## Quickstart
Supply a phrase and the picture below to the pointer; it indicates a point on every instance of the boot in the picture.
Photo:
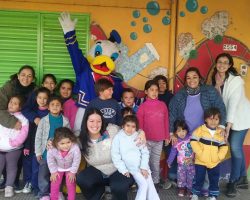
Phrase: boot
(231, 190)
(242, 183)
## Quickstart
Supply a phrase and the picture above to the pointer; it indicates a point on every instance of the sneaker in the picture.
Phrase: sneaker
(8, 192)
(181, 192)
(189, 193)
(242, 183)
(133, 188)
(27, 188)
(211, 198)
(165, 185)
(17, 188)
(231, 190)
(205, 193)
(45, 198)
(194, 197)
(61, 196)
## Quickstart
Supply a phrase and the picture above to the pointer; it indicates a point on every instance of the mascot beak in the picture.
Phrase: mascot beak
(103, 65)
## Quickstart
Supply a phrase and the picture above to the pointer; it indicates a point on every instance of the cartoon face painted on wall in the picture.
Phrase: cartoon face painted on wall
(103, 56)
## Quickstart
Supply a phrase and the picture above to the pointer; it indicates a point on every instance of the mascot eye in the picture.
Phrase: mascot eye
(98, 50)
(114, 56)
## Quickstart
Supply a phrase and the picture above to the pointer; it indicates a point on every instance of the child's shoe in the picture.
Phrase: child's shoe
(231, 190)
(17, 188)
(242, 183)
(9, 191)
(189, 193)
(205, 193)
(181, 192)
(194, 197)
(211, 198)
(165, 184)
(27, 188)
(45, 198)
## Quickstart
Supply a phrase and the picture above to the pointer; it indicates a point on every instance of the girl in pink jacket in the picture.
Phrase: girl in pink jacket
(63, 159)
(11, 143)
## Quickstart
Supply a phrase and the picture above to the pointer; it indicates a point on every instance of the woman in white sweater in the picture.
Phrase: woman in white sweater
(231, 87)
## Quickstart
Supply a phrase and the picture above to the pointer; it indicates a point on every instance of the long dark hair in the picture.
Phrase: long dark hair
(230, 70)
(84, 135)
(14, 76)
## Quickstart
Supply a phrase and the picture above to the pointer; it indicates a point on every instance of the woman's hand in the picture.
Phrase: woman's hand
(26, 152)
(227, 130)
(37, 120)
(141, 138)
(71, 177)
(54, 176)
(173, 139)
(39, 158)
(145, 173)
(18, 125)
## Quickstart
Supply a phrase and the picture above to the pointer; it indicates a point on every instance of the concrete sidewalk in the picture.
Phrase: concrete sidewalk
(170, 194)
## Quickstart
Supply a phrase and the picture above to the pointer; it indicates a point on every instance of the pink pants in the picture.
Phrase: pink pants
(55, 187)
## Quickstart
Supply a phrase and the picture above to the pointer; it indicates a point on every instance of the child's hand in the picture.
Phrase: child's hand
(145, 173)
(127, 174)
(167, 141)
(37, 120)
(49, 145)
(71, 177)
(54, 176)
(173, 139)
(18, 125)
(141, 138)
(26, 152)
(39, 158)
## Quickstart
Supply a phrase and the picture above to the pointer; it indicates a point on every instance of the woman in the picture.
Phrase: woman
(190, 102)
(231, 87)
(22, 84)
(96, 147)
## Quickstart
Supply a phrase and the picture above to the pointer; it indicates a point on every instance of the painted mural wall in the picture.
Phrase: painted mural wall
(165, 36)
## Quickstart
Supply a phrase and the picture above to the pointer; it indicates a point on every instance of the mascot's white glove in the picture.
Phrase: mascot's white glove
(66, 23)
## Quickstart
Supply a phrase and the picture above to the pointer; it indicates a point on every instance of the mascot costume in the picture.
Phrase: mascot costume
(99, 63)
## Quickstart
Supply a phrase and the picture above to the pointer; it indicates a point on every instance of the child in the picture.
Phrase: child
(153, 119)
(105, 103)
(11, 143)
(185, 158)
(164, 94)
(63, 158)
(128, 99)
(45, 132)
(30, 107)
(30, 164)
(69, 105)
(128, 158)
(210, 149)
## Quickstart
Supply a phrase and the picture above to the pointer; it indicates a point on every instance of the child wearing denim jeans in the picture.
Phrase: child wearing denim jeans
(210, 149)
(63, 159)
(44, 134)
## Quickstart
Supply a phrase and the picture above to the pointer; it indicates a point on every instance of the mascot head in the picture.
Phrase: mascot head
(104, 53)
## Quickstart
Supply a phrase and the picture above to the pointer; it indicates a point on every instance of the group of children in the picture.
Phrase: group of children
(50, 148)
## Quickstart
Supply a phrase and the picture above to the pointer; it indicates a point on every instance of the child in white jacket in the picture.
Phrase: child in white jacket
(11, 142)
(128, 158)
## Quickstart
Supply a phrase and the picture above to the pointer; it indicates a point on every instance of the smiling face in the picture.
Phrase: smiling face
(42, 99)
(25, 77)
(14, 105)
(94, 125)
(222, 65)
(49, 84)
(192, 79)
(65, 90)
(152, 92)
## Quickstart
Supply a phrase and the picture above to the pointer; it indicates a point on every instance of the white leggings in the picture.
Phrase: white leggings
(146, 188)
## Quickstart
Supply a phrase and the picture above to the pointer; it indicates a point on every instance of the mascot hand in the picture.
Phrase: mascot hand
(66, 23)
